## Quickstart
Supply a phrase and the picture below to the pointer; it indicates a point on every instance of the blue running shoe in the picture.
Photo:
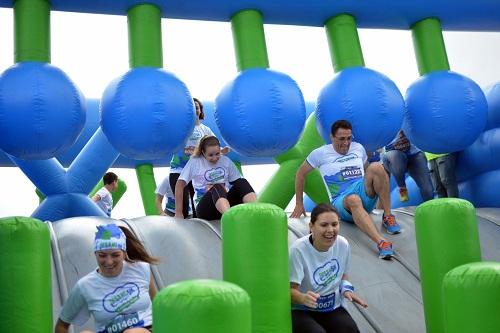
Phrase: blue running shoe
(390, 224)
(385, 250)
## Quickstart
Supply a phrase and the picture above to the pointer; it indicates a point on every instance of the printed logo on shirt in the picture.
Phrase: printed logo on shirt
(196, 136)
(346, 158)
(215, 175)
(325, 274)
(121, 298)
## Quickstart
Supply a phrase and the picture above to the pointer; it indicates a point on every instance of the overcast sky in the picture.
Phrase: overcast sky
(93, 50)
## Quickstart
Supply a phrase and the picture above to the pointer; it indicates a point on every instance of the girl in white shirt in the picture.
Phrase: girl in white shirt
(118, 293)
(180, 159)
(216, 181)
(319, 286)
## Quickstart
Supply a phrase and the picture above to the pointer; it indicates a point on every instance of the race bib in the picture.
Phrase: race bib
(326, 303)
(122, 322)
(351, 172)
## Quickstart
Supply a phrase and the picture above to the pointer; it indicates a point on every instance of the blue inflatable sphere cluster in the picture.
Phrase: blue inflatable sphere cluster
(147, 113)
(493, 98)
(445, 112)
(369, 100)
(41, 111)
(261, 113)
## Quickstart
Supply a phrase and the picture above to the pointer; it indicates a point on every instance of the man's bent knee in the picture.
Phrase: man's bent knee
(352, 201)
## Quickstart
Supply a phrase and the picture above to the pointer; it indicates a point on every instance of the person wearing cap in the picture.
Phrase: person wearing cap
(118, 292)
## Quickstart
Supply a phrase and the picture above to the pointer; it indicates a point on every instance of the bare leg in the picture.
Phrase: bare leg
(222, 205)
(249, 197)
(377, 183)
(361, 218)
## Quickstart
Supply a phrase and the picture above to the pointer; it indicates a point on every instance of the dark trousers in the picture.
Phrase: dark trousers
(336, 321)
(442, 170)
(188, 194)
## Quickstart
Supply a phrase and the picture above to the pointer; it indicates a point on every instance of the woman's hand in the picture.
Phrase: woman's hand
(189, 150)
(355, 298)
(310, 299)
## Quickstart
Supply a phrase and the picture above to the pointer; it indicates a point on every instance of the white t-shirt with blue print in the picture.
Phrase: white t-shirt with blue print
(179, 160)
(320, 272)
(115, 303)
(338, 171)
(106, 201)
(203, 173)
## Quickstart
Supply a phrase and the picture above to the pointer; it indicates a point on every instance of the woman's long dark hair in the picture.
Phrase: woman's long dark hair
(320, 209)
(136, 250)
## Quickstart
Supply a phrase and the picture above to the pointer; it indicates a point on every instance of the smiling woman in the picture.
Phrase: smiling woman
(118, 293)
(319, 284)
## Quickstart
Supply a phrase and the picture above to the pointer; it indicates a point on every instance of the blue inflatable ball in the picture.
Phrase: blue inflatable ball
(493, 98)
(261, 113)
(147, 113)
(41, 111)
(369, 100)
(445, 112)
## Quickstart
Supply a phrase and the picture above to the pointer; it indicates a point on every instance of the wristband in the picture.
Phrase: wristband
(346, 286)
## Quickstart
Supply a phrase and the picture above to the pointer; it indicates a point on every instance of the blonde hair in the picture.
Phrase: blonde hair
(206, 141)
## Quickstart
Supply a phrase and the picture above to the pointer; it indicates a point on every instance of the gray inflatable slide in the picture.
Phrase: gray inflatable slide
(191, 249)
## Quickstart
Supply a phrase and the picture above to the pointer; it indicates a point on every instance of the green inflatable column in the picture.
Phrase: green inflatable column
(472, 298)
(255, 257)
(428, 43)
(206, 306)
(145, 50)
(31, 30)
(447, 237)
(25, 276)
(343, 41)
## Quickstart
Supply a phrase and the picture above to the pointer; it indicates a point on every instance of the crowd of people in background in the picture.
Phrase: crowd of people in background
(205, 183)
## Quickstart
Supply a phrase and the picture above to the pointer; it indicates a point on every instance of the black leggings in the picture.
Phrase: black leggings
(206, 207)
(188, 193)
(336, 321)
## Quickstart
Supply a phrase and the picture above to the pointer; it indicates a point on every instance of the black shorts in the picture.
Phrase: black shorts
(206, 207)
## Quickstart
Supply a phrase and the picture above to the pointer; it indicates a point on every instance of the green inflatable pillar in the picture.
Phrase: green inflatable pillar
(25, 276)
(249, 40)
(447, 237)
(206, 306)
(429, 46)
(145, 50)
(255, 257)
(343, 41)
(31, 30)
(472, 298)
(147, 186)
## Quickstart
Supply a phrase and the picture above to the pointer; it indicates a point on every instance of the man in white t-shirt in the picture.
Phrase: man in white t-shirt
(103, 197)
(354, 185)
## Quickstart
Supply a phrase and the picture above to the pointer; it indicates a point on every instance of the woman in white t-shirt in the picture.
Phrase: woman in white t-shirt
(319, 284)
(180, 159)
(118, 293)
(216, 181)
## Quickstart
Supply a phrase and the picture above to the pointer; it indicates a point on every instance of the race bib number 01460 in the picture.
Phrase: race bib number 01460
(122, 322)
